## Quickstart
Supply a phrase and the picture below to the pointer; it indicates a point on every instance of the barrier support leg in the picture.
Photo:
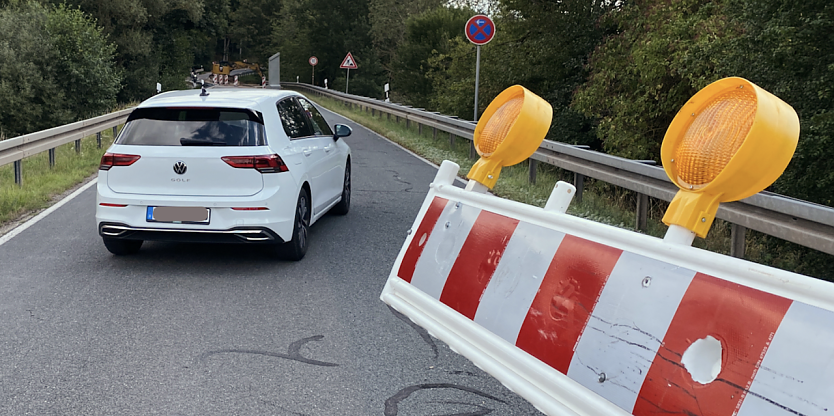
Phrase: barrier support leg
(642, 220)
(51, 158)
(579, 183)
(534, 166)
(78, 146)
(98, 140)
(18, 172)
(737, 238)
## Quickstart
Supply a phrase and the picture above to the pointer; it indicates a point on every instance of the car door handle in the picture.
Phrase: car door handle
(307, 151)
(329, 148)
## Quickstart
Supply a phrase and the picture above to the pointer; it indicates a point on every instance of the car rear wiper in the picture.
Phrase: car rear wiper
(185, 141)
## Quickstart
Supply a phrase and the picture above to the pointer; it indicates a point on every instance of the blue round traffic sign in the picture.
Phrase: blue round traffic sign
(480, 29)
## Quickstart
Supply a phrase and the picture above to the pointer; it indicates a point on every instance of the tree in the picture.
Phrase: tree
(388, 24)
(788, 49)
(328, 29)
(153, 39)
(639, 78)
(425, 35)
(86, 62)
(58, 67)
(251, 29)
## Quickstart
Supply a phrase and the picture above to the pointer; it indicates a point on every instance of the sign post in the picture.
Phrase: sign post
(313, 62)
(348, 63)
(480, 30)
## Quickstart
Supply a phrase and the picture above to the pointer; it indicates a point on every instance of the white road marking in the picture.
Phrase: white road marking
(22, 227)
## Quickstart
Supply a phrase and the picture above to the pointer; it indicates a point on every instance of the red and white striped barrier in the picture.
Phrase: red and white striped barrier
(581, 318)
(236, 81)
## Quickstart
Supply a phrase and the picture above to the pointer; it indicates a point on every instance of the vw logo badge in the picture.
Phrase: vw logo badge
(180, 167)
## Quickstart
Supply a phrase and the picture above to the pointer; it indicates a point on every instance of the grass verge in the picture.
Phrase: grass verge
(42, 183)
(601, 202)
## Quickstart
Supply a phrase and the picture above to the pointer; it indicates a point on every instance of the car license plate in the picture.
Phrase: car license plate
(179, 215)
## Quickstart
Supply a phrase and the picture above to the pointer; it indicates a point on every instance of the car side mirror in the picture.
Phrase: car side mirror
(341, 130)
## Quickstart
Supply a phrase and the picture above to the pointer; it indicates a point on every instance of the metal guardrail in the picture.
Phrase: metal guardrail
(15, 149)
(798, 221)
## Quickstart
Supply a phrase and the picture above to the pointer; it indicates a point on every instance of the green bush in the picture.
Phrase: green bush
(57, 68)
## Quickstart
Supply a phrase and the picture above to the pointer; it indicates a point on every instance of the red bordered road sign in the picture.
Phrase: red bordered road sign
(313, 61)
(480, 29)
(348, 62)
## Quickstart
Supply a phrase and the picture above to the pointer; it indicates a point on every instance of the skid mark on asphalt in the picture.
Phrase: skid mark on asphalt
(391, 405)
(423, 333)
(293, 353)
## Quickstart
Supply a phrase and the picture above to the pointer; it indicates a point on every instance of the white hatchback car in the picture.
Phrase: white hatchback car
(223, 165)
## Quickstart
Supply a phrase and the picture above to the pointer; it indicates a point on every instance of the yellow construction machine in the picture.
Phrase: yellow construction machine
(225, 67)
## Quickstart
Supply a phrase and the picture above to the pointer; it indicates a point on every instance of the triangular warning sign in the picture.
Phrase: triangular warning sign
(349, 62)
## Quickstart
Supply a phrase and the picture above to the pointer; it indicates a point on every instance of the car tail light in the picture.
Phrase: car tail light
(263, 163)
(117, 159)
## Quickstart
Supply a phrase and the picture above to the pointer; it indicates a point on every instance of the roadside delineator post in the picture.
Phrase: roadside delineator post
(581, 318)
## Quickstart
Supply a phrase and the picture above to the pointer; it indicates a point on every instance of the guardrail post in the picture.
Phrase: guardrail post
(78, 146)
(534, 165)
(737, 240)
(398, 119)
(472, 152)
(642, 220)
(373, 112)
(420, 129)
(452, 141)
(51, 158)
(389, 115)
(407, 123)
(115, 132)
(579, 184)
(98, 140)
(434, 133)
(18, 172)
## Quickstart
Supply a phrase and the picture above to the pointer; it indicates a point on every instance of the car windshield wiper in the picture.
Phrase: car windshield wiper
(185, 141)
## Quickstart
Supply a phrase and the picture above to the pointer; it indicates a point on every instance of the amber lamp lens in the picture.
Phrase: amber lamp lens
(498, 126)
(715, 135)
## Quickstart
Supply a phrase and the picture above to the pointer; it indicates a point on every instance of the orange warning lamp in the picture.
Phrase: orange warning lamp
(730, 141)
(511, 129)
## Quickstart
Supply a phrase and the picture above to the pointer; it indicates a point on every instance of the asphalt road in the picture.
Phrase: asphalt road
(190, 329)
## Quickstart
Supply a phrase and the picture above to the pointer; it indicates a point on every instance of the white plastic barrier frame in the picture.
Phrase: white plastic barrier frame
(789, 317)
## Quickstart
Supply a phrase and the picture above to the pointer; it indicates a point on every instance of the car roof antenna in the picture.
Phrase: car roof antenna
(203, 93)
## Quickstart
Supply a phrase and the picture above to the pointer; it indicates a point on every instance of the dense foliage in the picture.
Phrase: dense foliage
(615, 72)
(57, 67)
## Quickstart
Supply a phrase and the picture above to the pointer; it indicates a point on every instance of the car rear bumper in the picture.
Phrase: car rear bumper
(130, 211)
(250, 235)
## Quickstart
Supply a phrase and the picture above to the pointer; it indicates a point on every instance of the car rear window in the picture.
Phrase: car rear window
(174, 126)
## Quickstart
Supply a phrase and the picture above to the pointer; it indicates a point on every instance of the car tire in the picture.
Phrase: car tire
(122, 247)
(296, 248)
(343, 206)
